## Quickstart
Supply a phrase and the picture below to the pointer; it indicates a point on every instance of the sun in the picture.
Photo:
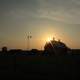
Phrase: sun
(48, 39)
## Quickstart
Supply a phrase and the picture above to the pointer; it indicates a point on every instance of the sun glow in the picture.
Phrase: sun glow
(49, 39)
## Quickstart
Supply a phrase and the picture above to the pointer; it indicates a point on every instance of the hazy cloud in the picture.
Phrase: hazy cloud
(61, 10)
(67, 11)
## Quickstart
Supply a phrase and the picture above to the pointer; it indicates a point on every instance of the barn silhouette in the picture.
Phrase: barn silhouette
(55, 47)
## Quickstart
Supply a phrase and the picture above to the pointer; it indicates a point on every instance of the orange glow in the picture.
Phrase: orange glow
(49, 39)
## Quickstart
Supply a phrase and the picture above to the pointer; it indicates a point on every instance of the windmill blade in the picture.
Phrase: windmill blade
(30, 36)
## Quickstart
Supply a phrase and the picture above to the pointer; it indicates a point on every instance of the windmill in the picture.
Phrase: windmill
(28, 41)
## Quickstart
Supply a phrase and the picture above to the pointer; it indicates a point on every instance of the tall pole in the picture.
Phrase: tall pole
(28, 41)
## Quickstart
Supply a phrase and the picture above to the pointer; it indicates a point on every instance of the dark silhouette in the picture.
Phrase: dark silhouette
(56, 48)
(4, 49)
(34, 51)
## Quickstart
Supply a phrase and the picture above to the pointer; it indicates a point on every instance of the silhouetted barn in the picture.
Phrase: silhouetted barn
(55, 48)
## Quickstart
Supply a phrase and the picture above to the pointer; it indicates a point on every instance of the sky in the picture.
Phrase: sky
(41, 19)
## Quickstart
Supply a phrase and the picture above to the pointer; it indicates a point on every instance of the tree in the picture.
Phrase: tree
(4, 49)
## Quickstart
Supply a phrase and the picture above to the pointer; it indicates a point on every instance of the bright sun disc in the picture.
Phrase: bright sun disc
(49, 39)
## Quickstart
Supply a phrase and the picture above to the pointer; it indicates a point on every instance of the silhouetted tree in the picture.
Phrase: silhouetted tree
(34, 51)
(55, 48)
(4, 49)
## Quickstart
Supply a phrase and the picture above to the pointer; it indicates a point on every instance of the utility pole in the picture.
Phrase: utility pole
(28, 41)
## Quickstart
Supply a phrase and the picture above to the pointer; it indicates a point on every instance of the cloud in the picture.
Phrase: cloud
(61, 10)
(66, 11)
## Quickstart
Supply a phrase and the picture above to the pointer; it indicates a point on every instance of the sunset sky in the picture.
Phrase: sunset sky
(43, 19)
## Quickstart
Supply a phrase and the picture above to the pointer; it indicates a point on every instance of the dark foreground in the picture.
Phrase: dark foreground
(40, 67)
